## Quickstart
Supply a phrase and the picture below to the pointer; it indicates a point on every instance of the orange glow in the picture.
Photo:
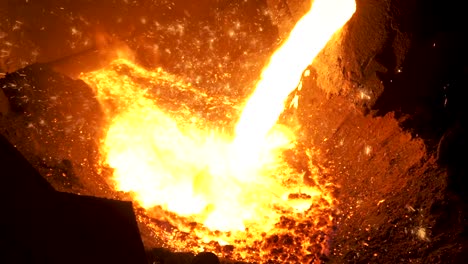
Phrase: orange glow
(283, 73)
(174, 163)
(168, 158)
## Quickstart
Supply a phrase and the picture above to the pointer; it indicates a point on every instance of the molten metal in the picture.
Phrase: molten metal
(168, 159)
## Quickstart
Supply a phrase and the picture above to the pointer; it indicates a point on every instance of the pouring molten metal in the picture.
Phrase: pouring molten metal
(164, 150)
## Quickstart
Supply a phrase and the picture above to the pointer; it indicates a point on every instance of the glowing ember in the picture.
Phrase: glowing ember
(161, 149)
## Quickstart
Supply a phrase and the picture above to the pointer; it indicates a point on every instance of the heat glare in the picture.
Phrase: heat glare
(232, 180)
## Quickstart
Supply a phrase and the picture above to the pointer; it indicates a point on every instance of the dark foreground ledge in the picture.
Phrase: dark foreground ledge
(41, 225)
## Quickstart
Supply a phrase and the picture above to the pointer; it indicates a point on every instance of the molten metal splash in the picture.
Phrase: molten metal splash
(161, 150)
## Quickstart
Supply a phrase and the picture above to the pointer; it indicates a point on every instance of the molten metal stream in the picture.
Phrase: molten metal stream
(168, 159)
(283, 73)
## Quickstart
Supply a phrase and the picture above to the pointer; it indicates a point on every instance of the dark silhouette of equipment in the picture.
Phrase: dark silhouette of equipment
(41, 225)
